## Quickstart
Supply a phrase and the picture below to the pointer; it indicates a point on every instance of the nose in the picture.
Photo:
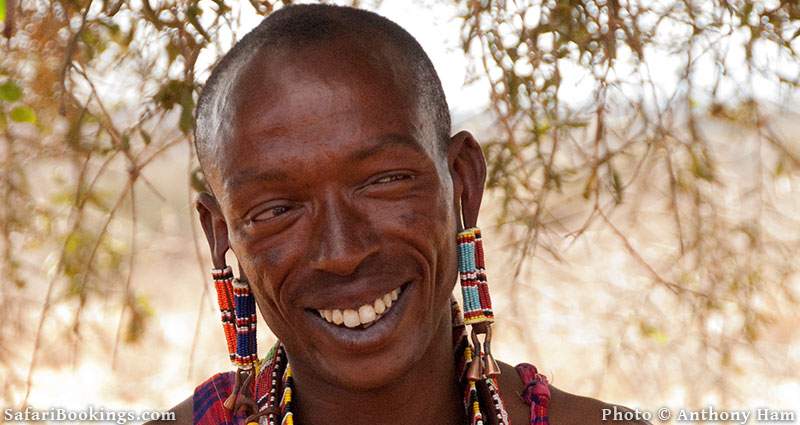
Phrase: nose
(344, 238)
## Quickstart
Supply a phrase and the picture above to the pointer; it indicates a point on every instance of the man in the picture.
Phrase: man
(325, 140)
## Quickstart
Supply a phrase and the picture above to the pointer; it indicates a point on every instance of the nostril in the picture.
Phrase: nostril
(342, 262)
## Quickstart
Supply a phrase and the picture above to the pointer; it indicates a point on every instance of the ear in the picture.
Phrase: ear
(214, 227)
(468, 170)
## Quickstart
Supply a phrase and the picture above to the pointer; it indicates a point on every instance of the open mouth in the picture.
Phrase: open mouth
(365, 315)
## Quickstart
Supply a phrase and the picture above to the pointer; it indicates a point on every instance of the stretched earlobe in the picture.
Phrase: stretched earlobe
(468, 170)
(237, 309)
(214, 227)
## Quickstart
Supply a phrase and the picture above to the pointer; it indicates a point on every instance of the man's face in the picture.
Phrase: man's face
(335, 196)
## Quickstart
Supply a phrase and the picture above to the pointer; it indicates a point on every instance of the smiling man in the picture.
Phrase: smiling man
(325, 139)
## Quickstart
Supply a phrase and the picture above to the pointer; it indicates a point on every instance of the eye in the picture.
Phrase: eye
(393, 178)
(271, 213)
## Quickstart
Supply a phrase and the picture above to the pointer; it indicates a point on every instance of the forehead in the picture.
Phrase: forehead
(281, 86)
(327, 96)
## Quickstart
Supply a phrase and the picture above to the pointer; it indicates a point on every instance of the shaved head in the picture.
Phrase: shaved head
(297, 31)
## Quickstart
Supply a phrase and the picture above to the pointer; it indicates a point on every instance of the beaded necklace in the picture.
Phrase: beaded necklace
(483, 403)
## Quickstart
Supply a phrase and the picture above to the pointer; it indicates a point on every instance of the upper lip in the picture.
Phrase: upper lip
(351, 295)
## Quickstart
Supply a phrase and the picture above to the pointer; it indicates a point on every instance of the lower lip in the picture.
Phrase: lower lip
(361, 339)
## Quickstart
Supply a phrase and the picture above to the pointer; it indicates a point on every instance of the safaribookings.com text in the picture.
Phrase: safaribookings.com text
(88, 414)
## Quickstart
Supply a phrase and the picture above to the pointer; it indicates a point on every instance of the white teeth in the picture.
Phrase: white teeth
(351, 319)
(364, 315)
(379, 306)
(336, 317)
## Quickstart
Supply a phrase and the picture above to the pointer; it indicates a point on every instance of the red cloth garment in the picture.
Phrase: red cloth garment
(536, 393)
(207, 408)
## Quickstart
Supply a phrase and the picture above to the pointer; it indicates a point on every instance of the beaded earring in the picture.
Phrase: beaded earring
(238, 311)
(477, 303)
(481, 369)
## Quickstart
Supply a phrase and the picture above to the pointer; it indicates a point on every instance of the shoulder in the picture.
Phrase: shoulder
(204, 406)
(568, 409)
(565, 408)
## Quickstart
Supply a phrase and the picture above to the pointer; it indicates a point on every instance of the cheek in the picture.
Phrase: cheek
(427, 219)
(431, 226)
(261, 258)
(261, 266)
(447, 228)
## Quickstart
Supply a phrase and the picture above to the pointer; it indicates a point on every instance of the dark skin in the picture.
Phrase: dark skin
(331, 190)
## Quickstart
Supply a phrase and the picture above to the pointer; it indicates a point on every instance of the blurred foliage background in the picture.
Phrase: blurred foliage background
(644, 175)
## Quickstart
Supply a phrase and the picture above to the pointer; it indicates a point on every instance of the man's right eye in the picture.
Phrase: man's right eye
(271, 213)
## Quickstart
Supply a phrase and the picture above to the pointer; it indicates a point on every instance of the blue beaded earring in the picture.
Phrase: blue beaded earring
(238, 312)
(477, 303)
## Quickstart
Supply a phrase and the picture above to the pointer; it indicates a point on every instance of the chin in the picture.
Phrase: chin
(372, 374)
(364, 371)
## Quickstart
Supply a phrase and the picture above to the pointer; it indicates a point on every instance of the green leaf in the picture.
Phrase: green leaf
(650, 331)
(145, 137)
(10, 91)
(23, 114)
(700, 166)
(780, 167)
(616, 184)
(198, 181)
(186, 122)
(2, 10)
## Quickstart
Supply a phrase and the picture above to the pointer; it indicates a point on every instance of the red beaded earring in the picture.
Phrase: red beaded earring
(481, 369)
(238, 310)
(477, 301)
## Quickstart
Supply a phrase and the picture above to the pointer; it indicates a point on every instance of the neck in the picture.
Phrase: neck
(428, 393)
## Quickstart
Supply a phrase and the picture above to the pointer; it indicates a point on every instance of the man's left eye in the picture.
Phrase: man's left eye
(392, 178)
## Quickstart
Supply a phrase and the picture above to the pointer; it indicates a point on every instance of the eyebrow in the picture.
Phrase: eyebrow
(375, 147)
(384, 142)
(253, 174)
